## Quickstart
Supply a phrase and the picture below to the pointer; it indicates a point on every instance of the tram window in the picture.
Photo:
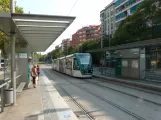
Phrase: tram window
(75, 66)
(68, 65)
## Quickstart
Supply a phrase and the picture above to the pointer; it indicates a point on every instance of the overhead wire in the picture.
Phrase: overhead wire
(73, 7)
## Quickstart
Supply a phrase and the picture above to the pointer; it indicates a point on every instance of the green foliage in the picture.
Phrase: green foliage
(71, 50)
(88, 45)
(56, 53)
(141, 25)
(4, 39)
(42, 58)
(37, 55)
(5, 7)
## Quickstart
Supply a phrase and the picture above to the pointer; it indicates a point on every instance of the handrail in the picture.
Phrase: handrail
(4, 84)
(18, 76)
(8, 80)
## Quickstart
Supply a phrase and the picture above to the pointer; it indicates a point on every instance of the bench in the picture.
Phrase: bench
(20, 87)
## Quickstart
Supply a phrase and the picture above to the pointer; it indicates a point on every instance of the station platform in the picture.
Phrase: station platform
(41, 103)
(139, 83)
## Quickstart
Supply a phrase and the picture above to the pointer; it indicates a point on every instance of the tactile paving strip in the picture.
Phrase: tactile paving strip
(48, 107)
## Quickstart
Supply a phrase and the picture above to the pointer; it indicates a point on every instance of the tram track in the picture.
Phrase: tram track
(105, 100)
(72, 99)
(128, 86)
(122, 92)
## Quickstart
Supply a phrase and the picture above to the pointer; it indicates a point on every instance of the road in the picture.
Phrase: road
(106, 101)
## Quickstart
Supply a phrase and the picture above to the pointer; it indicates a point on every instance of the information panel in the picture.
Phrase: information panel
(22, 55)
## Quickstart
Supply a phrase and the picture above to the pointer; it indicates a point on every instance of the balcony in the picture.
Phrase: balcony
(121, 3)
(126, 7)
(122, 18)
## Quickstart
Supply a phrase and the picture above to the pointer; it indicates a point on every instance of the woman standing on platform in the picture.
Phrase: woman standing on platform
(34, 74)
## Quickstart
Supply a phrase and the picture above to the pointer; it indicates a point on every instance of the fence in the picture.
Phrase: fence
(153, 76)
(4, 86)
(104, 71)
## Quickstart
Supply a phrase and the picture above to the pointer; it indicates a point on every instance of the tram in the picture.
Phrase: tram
(76, 65)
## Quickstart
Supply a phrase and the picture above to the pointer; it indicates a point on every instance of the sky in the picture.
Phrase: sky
(87, 12)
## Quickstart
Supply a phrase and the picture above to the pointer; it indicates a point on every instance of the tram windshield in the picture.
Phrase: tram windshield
(84, 58)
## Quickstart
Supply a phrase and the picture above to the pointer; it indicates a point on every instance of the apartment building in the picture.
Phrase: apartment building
(66, 43)
(112, 15)
(107, 18)
(91, 32)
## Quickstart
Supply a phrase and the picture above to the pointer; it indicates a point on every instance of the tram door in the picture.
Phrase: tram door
(69, 66)
(130, 68)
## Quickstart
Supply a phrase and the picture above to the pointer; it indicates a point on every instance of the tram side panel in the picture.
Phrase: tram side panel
(76, 70)
(54, 65)
(64, 65)
(57, 65)
(60, 65)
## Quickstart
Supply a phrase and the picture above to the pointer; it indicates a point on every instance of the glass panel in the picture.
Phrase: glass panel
(153, 58)
(125, 63)
(135, 64)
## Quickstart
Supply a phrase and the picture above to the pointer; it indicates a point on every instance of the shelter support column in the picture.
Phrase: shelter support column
(142, 63)
(13, 72)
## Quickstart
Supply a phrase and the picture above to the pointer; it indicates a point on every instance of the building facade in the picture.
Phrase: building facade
(107, 18)
(86, 33)
(66, 43)
(103, 24)
(112, 15)
(124, 8)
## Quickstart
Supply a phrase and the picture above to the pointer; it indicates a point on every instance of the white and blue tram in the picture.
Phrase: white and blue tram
(76, 65)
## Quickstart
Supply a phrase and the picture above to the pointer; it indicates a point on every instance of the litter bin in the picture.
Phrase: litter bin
(8, 96)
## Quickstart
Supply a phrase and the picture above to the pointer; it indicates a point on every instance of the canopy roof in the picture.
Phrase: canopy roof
(39, 31)
(146, 43)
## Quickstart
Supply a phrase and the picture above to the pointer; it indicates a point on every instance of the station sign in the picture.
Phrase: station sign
(22, 55)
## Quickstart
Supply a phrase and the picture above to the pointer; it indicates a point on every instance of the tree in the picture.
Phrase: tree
(5, 7)
(141, 25)
(56, 53)
(88, 45)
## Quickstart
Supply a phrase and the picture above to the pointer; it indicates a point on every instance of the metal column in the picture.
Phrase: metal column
(13, 67)
(12, 10)
(12, 5)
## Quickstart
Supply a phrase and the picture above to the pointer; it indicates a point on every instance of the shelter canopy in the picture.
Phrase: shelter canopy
(145, 43)
(39, 31)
